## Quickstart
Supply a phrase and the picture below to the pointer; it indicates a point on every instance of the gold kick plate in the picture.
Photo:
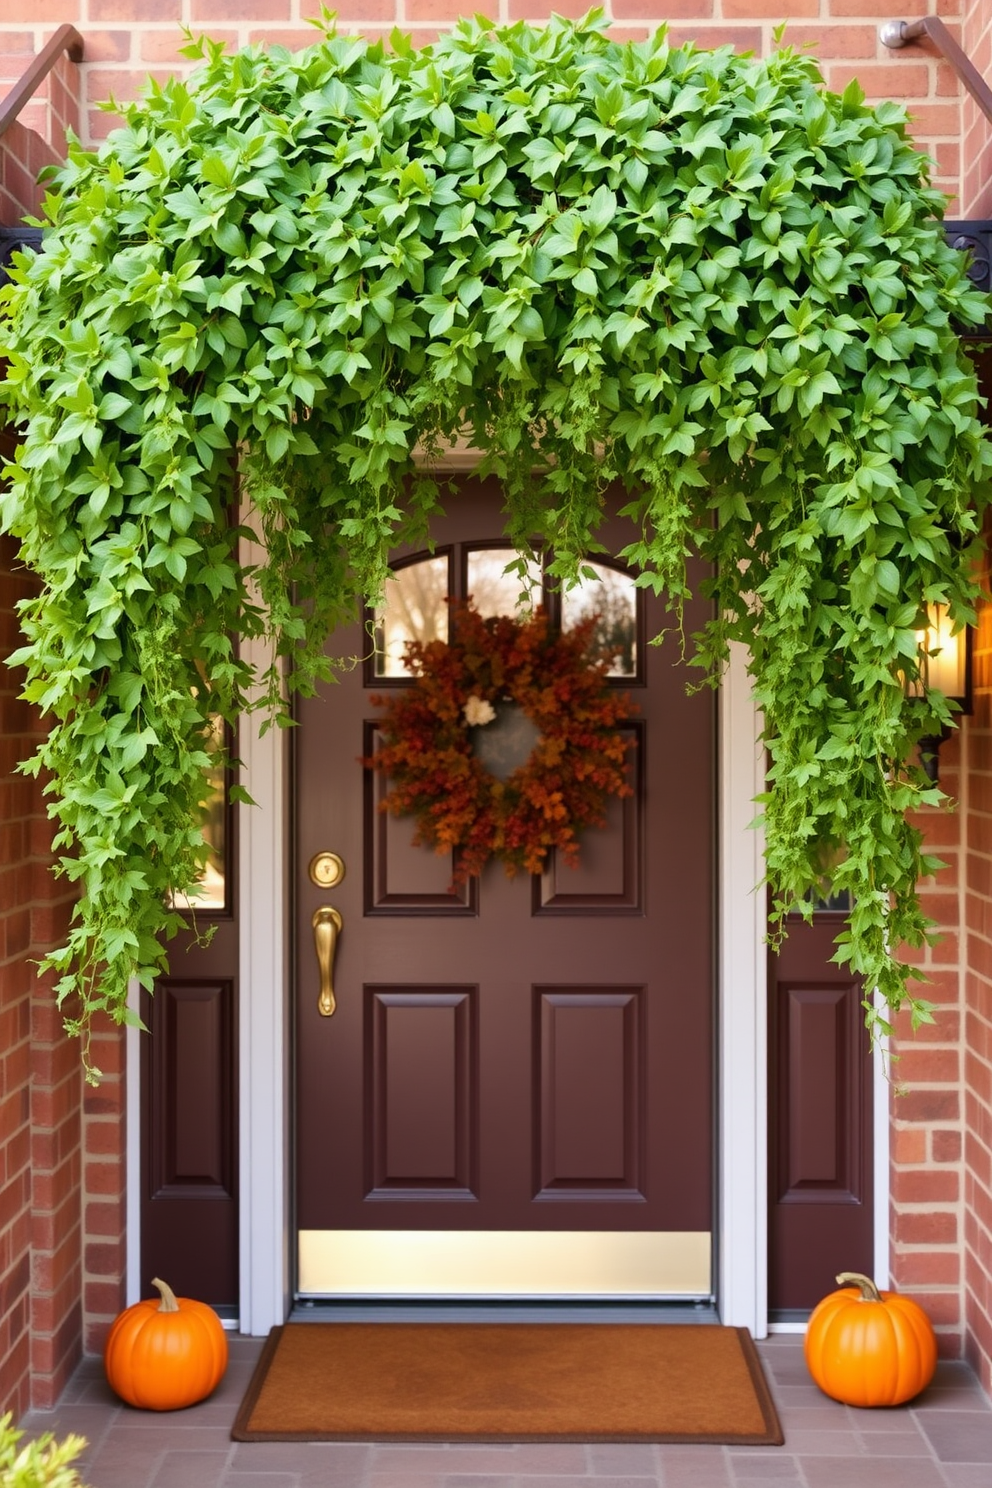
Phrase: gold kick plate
(506, 1263)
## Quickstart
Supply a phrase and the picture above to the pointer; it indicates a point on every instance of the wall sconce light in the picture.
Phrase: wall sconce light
(945, 664)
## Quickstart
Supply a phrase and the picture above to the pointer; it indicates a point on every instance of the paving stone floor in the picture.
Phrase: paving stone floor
(941, 1440)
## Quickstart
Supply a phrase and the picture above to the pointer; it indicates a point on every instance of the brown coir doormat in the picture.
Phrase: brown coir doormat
(508, 1382)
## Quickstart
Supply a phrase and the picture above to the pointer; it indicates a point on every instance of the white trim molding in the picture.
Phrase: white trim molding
(264, 1029)
(742, 1058)
(882, 1152)
(132, 1160)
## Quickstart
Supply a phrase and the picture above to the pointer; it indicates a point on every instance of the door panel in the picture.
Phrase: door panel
(189, 1209)
(189, 1092)
(590, 1046)
(609, 876)
(401, 879)
(421, 1086)
(820, 1128)
(513, 1057)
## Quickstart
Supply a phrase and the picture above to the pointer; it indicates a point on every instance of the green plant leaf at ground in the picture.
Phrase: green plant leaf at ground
(699, 277)
(44, 1463)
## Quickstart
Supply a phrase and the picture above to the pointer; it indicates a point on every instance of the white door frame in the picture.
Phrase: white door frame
(742, 1050)
(265, 1213)
(741, 1062)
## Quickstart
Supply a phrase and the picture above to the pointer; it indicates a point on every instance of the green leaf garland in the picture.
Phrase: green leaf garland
(695, 274)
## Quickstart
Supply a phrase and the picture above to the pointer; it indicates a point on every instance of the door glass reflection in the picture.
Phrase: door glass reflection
(210, 893)
(612, 597)
(414, 610)
(493, 591)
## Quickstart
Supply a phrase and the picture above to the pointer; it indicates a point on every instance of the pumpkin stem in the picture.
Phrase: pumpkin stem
(869, 1291)
(169, 1303)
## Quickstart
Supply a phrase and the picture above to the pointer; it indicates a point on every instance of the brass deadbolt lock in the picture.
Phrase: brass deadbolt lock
(326, 870)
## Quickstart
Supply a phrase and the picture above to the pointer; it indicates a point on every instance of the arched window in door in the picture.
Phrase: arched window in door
(415, 604)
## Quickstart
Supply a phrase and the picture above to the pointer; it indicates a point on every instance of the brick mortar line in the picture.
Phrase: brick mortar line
(925, 1167)
(927, 1206)
(935, 1086)
(938, 1046)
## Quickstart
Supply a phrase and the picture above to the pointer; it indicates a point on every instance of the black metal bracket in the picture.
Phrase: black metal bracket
(974, 238)
(12, 239)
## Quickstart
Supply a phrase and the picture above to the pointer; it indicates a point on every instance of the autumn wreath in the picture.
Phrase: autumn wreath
(430, 738)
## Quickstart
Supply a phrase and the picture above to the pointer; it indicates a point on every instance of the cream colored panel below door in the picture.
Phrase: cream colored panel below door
(504, 1263)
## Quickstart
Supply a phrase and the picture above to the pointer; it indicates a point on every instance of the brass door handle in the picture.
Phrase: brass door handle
(327, 924)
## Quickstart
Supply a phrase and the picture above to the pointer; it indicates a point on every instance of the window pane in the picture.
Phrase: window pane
(494, 592)
(211, 892)
(415, 609)
(839, 903)
(612, 598)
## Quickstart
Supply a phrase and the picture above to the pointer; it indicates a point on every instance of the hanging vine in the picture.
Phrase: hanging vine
(698, 275)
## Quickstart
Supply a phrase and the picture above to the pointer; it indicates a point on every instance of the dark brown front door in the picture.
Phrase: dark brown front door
(522, 1055)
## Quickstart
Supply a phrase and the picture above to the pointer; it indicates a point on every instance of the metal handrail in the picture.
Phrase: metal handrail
(896, 34)
(66, 39)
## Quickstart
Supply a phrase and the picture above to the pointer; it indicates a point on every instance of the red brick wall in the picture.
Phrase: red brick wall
(22, 155)
(104, 1188)
(941, 1170)
(927, 1134)
(976, 131)
(41, 1117)
(125, 40)
(40, 1120)
(37, 136)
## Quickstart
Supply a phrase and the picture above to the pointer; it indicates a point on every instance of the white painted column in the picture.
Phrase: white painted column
(264, 1164)
(881, 1189)
(742, 1061)
(132, 1161)
(264, 1025)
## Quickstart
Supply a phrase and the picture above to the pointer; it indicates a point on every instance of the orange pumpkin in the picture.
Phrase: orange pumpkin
(867, 1347)
(165, 1353)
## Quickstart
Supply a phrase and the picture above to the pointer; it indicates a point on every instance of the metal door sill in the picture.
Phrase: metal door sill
(496, 1310)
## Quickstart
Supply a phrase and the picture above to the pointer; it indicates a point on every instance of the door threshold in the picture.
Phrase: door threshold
(788, 1319)
(443, 1310)
(229, 1316)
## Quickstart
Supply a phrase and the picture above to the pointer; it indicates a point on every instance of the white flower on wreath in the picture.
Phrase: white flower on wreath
(477, 711)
